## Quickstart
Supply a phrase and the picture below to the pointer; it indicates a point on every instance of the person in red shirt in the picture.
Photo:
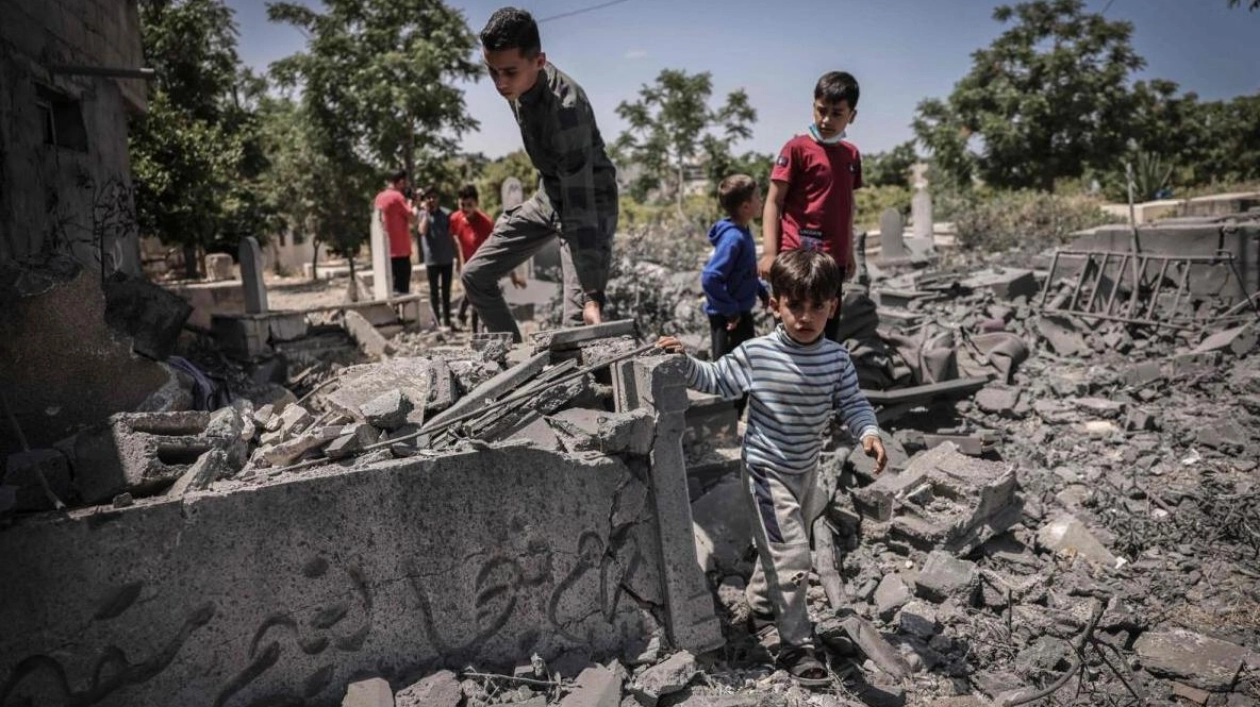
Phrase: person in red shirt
(398, 214)
(810, 202)
(471, 227)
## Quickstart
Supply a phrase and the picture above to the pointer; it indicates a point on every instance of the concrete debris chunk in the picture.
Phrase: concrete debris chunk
(369, 693)
(891, 594)
(1060, 336)
(1240, 340)
(359, 385)
(596, 686)
(946, 577)
(440, 689)
(294, 420)
(387, 411)
(210, 467)
(559, 339)
(352, 440)
(917, 619)
(944, 499)
(497, 387)
(1203, 662)
(371, 341)
(1068, 535)
(290, 450)
(665, 678)
(996, 401)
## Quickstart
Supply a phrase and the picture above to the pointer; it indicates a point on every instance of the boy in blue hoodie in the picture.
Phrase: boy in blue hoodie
(730, 281)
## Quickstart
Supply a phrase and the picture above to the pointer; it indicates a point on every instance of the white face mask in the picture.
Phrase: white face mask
(813, 132)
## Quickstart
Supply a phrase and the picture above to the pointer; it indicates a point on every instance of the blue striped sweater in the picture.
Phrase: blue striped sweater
(793, 391)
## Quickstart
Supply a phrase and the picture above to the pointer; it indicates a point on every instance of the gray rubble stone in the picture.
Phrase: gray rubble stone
(596, 686)
(998, 401)
(374, 692)
(1143, 373)
(558, 339)
(665, 678)
(891, 594)
(369, 339)
(209, 467)
(1068, 535)
(353, 438)
(440, 689)
(388, 411)
(1046, 654)
(294, 420)
(1239, 340)
(1206, 663)
(917, 619)
(944, 576)
(1137, 420)
(290, 450)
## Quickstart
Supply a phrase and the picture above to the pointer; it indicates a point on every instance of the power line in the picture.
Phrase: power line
(592, 8)
(1106, 7)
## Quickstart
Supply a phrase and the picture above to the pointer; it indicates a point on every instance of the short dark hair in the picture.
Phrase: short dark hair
(734, 191)
(836, 86)
(469, 191)
(397, 175)
(805, 274)
(511, 28)
(431, 190)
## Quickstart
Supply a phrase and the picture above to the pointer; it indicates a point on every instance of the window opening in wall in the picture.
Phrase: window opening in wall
(61, 119)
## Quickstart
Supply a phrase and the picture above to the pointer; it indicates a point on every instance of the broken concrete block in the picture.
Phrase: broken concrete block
(996, 401)
(1142, 374)
(722, 530)
(891, 594)
(352, 440)
(294, 420)
(579, 427)
(1193, 362)
(1137, 420)
(358, 385)
(874, 646)
(150, 314)
(23, 472)
(946, 577)
(440, 689)
(138, 452)
(1100, 407)
(918, 619)
(537, 431)
(627, 432)
(290, 450)
(596, 686)
(665, 678)
(499, 386)
(1045, 655)
(1203, 662)
(1005, 283)
(371, 341)
(1240, 340)
(374, 692)
(286, 326)
(211, 466)
(559, 339)
(1060, 336)
(387, 411)
(219, 267)
(1191, 694)
(1068, 535)
(944, 500)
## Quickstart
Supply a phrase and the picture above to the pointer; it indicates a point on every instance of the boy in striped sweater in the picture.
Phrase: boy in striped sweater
(796, 379)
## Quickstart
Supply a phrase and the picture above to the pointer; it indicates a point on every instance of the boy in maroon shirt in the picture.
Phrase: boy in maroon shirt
(810, 202)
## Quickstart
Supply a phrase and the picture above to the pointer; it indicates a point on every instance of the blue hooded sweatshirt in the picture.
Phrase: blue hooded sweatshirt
(730, 281)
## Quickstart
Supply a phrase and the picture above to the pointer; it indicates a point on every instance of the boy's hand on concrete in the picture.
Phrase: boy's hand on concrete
(517, 281)
(874, 447)
(763, 266)
(732, 322)
(670, 344)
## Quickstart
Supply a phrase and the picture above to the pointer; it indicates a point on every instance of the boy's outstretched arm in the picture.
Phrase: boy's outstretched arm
(771, 230)
(728, 377)
(858, 415)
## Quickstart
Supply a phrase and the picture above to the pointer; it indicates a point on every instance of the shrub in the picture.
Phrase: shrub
(1024, 220)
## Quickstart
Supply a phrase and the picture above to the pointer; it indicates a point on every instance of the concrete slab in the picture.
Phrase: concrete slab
(440, 689)
(943, 500)
(559, 339)
(369, 339)
(359, 385)
(497, 387)
(1207, 663)
(349, 572)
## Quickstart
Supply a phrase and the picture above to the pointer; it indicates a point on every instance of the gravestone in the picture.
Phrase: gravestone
(218, 267)
(921, 244)
(252, 276)
(512, 194)
(892, 244)
(382, 274)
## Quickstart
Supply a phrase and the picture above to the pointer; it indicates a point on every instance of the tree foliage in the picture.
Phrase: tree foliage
(890, 169)
(1047, 99)
(671, 125)
(490, 183)
(195, 155)
(378, 77)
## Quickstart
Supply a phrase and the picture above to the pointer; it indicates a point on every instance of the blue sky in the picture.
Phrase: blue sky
(901, 51)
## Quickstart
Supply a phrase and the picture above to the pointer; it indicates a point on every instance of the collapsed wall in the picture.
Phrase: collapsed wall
(286, 590)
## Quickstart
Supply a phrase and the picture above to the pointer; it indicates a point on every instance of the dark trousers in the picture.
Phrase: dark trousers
(725, 341)
(440, 291)
(402, 274)
(464, 306)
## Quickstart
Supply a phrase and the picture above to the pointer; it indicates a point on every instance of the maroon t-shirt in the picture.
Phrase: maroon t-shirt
(818, 209)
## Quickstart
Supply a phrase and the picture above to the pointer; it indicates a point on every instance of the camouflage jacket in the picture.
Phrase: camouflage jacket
(562, 140)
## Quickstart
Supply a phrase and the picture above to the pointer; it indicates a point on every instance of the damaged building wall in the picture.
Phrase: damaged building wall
(64, 164)
(289, 589)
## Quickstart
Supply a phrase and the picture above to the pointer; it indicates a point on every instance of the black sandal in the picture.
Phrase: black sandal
(804, 668)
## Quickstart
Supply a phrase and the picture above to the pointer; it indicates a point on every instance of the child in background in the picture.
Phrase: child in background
(730, 281)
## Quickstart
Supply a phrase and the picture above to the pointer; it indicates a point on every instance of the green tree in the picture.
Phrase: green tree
(490, 183)
(1048, 98)
(890, 169)
(1255, 4)
(378, 77)
(195, 154)
(671, 124)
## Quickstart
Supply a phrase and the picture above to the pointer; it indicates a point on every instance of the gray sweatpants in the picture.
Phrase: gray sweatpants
(520, 233)
(782, 506)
